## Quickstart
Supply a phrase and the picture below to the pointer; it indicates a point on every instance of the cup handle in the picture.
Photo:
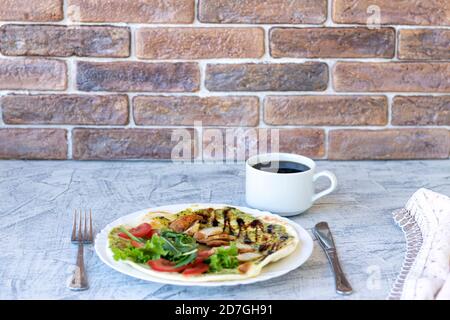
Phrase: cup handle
(332, 187)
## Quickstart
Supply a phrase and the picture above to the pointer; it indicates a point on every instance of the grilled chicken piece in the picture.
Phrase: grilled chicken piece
(207, 232)
(245, 248)
(183, 223)
(249, 256)
(224, 237)
(193, 229)
(217, 243)
(243, 268)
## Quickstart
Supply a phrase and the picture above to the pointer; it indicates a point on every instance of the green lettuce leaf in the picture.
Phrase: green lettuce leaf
(153, 249)
(224, 258)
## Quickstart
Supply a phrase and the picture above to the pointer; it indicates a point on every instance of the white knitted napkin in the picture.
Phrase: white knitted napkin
(425, 273)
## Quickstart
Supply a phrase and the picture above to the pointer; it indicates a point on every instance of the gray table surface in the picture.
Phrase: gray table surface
(38, 197)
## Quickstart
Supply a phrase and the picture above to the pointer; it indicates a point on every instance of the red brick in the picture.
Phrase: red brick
(135, 11)
(31, 10)
(389, 144)
(391, 76)
(65, 109)
(268, 11)
(32, 74)
(110, 144)
(424, 44)
(303, 141)
(312, 76)
(62, 41)
(137, 76)
(417, 12)
(33, 143)
(421, 110)
(332, 43)
(186, 110)
(326, 110)
(200, 43)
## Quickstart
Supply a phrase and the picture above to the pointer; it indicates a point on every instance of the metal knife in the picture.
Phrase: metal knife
(323, 234)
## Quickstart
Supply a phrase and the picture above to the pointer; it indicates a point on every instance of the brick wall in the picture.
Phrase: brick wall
(112, 79)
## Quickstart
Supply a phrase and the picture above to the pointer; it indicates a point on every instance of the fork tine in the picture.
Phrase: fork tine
(74, 226)
(80, 233)
(91, 238)
(85, 226)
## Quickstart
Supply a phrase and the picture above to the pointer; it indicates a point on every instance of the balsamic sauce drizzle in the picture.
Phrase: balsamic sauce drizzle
(227, 222)
(214, 222)
(263, 247)
(256, 224)
(247, 240)
(241, 224)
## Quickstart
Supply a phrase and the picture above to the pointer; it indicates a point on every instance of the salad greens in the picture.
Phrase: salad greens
(181, 248)
(176, 247)
(152, 249)
(224, 258)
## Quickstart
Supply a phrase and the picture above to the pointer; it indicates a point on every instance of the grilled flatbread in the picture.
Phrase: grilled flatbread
(257, 241)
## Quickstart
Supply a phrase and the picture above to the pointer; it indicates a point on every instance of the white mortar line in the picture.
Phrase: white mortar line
(267, 126)
(197, 23)
(266, 56)
(69, 144)
(389, 115)
(203, 92)
(326, 142)
(327, 92)
(261, 123)
(71, 76)
(196, 13)
(131, 122)
(329, 21)
(264, 59)
(65, 12)
(397, 37)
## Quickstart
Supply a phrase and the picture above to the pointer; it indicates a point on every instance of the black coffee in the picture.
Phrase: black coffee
(282, 167)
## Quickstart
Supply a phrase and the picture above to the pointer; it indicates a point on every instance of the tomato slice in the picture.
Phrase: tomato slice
(197, 269)
(164, 265)
(123, 235)
(144, 230)
(203, 255)
(136, 244)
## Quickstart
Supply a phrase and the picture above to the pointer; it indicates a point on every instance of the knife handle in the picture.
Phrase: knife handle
(342, 284)
(323, 234)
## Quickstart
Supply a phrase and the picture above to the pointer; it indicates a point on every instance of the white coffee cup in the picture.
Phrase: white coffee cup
(287, 194)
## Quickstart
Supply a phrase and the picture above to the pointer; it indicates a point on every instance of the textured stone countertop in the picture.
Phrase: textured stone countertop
(38, 198)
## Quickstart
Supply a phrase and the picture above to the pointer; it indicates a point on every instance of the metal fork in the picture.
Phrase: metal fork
(79, 279)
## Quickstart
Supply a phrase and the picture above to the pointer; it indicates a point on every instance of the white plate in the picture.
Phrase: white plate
(275, 269)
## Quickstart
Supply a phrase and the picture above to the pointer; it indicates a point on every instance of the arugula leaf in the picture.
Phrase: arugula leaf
(181, 248)
(186, 259)
(224, 258)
